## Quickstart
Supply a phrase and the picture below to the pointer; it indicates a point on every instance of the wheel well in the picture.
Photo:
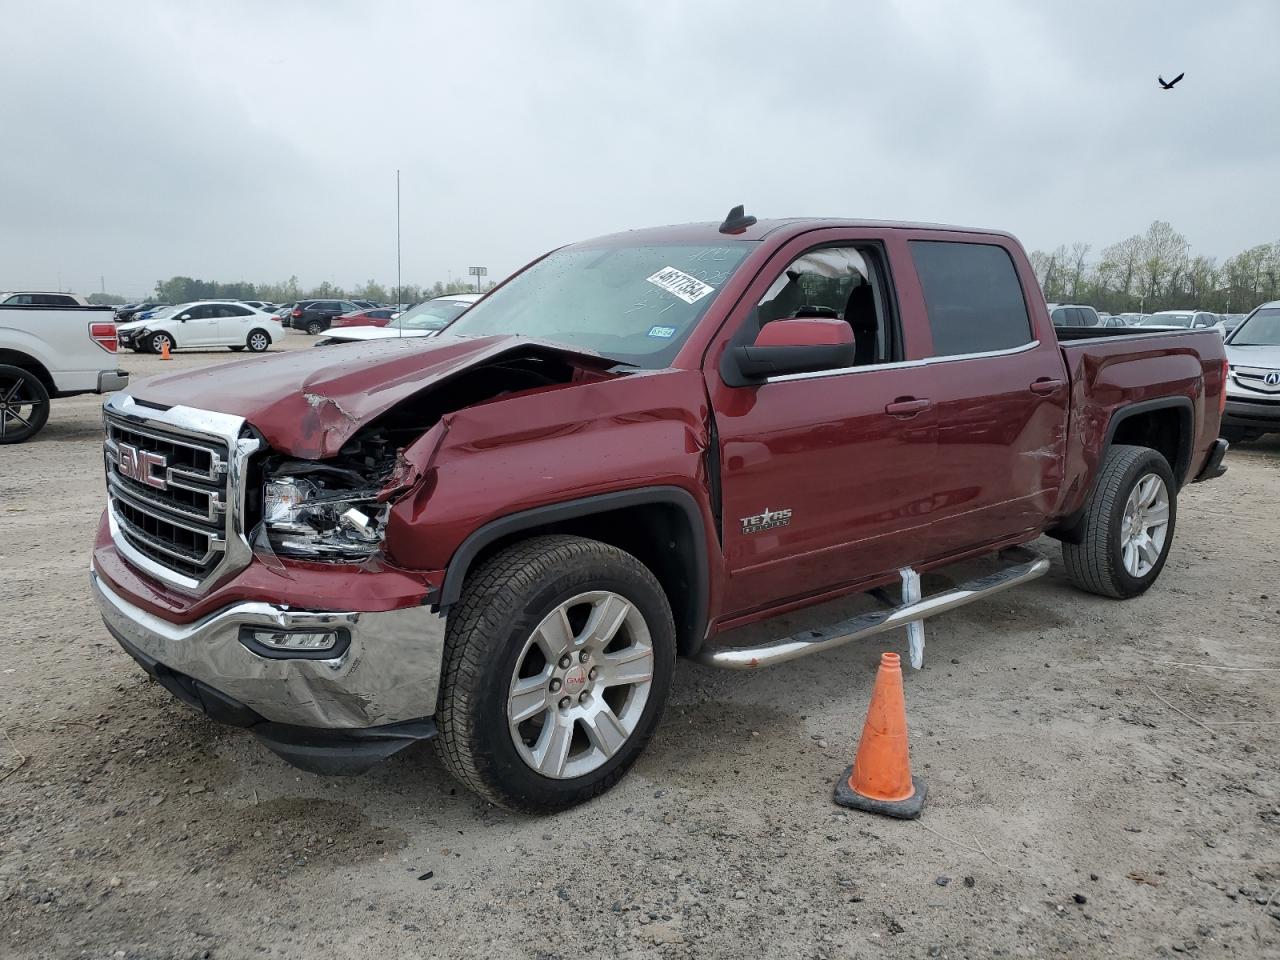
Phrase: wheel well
(660, 534)
(15, 359)
(1166, 430)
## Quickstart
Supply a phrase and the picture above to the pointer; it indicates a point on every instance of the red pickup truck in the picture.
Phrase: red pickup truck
(503, 537)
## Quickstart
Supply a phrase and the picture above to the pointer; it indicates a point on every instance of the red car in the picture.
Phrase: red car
(377, 317)
(506, 535)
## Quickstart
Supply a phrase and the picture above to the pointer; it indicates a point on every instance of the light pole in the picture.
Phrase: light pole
(401, 333)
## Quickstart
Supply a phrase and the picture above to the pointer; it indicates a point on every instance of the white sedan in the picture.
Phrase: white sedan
(425, 320)
(205, 323)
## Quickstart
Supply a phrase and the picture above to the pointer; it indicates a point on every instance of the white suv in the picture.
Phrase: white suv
(206, 323)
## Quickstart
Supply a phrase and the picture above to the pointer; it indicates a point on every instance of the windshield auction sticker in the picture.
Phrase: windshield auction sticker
(680, 284)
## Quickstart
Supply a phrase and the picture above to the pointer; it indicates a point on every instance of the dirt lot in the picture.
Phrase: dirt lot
(1103, 781)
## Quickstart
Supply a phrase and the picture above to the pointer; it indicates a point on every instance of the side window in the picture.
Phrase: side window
(196, 313)
(972, 297)
(837, 283)
(1078, 318)
(231, 310)
(22, 300)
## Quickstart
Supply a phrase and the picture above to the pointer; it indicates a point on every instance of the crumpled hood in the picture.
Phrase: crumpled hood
(309, 403)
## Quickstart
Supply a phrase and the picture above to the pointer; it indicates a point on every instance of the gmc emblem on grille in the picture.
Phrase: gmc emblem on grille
(142, 465)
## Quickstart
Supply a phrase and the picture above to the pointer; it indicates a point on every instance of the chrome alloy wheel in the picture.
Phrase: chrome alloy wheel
(580, 685)
(1145, 525)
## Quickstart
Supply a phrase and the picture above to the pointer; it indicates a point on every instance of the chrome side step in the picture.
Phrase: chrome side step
(1024, 565)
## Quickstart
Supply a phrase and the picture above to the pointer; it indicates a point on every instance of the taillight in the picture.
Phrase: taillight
(104, 335)
(1222, 394)
(297, 312)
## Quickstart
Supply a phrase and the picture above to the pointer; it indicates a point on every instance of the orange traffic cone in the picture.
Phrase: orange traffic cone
(164, 349)
(880, 779)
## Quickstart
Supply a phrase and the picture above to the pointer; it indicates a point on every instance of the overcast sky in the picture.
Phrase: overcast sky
(253, 140)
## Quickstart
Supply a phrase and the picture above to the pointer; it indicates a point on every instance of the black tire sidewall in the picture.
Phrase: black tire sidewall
(154, 342)
(41, 405)
(1150, 462)
(315, 328)
(255, 333)
(491, 730)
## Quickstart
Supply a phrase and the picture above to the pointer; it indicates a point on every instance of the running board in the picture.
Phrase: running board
(1024, 565)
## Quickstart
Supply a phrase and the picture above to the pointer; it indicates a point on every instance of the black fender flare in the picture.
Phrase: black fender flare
(1186, 419)
(463, 558)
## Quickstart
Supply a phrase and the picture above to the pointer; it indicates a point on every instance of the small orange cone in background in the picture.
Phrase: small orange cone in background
(164, 350)
(880, 779)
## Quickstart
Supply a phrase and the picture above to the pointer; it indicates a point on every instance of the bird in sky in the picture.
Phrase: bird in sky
(1168, 84)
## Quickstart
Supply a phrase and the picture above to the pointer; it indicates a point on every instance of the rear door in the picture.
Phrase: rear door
(233, 324)
(999, 385)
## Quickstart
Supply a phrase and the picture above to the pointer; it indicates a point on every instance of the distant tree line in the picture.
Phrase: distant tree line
(185, 289)
(1156, 271)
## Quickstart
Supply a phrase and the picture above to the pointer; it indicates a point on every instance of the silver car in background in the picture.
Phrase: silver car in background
(1253, 378)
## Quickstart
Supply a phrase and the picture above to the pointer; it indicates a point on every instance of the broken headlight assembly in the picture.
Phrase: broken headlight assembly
(311, 517)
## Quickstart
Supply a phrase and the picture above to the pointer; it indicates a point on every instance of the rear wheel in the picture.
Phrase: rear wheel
(314, 327)
(24, 404)
(258, 341)
(1128, 525)
(557, 664)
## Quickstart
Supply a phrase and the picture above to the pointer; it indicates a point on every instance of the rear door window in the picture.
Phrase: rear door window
(972, 296)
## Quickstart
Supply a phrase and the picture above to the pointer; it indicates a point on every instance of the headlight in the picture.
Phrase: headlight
(305, 518)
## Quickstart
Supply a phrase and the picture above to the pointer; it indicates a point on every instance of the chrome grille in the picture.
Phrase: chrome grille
(175, 491)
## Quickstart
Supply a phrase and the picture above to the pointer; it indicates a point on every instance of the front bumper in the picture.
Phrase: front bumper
(1259, 413)
(388, 676)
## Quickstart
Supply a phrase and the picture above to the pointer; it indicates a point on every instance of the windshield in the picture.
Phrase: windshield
(1260, 330)
(636, 304)
(432, 315)
(1168, 320)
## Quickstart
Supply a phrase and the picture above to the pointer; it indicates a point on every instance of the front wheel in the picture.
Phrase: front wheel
(157, 341)
(24, 404)
(557, 664)
(1128, 525)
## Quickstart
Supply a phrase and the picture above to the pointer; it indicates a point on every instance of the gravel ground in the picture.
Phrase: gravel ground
(1103, 781)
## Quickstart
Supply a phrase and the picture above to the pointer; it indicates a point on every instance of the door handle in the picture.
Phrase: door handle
(906, 407)
(1047, 386)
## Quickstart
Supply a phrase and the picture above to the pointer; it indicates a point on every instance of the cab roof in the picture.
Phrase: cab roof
(780, 230)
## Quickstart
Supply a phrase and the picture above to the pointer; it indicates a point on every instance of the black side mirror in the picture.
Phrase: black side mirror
(804, 345)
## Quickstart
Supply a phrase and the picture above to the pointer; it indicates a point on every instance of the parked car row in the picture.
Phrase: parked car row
(1083, 315)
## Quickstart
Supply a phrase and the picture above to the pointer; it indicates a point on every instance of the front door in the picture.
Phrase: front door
(827, 477)
(200, 328)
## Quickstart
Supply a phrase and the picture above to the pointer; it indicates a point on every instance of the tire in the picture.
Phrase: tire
(314, 328)
(24, 404)
(1101, 562)
(497, 629)
(259, 341)
(237, 347)
(155, 342)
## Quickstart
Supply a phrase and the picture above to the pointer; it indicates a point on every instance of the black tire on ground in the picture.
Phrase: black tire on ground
(502, 604)
(156, 341)
(1238, 434)
(315, 327)
(24, 404)
(1096, 564)
(258, 341)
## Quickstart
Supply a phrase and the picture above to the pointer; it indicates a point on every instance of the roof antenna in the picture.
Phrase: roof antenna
(737, 221)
